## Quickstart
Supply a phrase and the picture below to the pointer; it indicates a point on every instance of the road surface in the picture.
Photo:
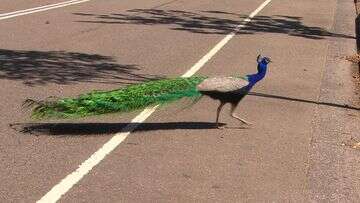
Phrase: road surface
(302, 113)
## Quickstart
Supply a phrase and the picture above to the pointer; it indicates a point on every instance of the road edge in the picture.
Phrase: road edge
(334, 166)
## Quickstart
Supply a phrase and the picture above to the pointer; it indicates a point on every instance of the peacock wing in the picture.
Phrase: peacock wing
(222, 84)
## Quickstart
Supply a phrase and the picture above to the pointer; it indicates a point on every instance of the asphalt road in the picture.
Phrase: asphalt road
(177, 155)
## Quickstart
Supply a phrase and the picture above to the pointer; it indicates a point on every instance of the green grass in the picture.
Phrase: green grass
(129, 98)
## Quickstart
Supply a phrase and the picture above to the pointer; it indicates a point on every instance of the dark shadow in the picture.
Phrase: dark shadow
(344, 106)
(205, 22)
(105, 128)
(40, 67)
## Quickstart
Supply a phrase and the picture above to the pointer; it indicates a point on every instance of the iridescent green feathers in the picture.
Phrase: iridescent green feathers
(129, 98)
(140, 96)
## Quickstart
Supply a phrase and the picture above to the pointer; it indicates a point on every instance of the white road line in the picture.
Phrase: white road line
(222, 43)
(4, 16)
(55, 193)
(69, 181)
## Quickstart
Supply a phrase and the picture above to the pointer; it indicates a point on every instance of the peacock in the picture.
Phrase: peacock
(150, 93)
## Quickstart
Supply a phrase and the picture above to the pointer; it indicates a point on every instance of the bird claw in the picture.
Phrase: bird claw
(248, 123)
(220, 126)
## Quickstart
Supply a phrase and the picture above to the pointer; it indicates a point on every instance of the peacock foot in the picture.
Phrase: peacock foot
(248, 123)
(220, 126)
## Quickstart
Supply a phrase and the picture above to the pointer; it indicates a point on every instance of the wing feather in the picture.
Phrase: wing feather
(222, 84)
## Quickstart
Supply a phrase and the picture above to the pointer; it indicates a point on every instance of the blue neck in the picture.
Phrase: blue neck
(254, 78)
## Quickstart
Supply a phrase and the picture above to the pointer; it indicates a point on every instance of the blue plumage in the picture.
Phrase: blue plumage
(262, 68)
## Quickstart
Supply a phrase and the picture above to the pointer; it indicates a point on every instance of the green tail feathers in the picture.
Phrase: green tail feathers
(129, 98)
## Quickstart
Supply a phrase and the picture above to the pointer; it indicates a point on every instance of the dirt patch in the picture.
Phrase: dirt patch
(355, 58)
(352, 143)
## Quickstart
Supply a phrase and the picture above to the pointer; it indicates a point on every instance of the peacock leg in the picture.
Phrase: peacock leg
(232, 112)
(218, 113)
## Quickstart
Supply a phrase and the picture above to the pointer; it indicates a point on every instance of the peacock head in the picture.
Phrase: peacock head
(263, 60)
(266, 60)
(262, 63)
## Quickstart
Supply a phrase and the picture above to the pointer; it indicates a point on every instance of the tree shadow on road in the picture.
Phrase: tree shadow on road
(79, 129)
(208, 22)
(60, 67)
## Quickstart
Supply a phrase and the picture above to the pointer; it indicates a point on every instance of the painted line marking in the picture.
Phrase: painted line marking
(14, 14)
(224, 41)
(69, 181)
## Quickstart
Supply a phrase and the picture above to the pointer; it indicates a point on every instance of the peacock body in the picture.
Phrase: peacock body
(151, 93)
